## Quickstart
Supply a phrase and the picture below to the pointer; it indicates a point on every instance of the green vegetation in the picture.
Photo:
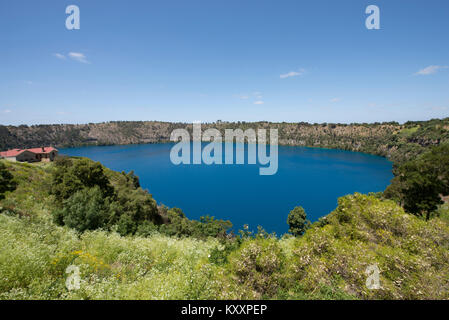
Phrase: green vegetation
(297, 220)
(84, 195)
(328, 262)
(407, 132)
(420, 183)
(6, 181)
(87, 200)
(129, 248)
(77, 212)
(412, 254)
(443, 212)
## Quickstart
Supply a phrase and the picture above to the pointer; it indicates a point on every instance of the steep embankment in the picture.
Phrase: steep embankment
(393, 140)
(328, 262)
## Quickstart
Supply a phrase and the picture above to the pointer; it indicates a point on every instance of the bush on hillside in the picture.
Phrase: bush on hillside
(120, 202)
(7, 182)
(178, 225)
(72, 176)
(411, 254)
(258, 264)
(118, 198)
(87, 209)
(297, 221)
(126, 225)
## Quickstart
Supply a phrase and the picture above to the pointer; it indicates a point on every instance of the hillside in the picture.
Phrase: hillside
(328, 262)
(398, 142)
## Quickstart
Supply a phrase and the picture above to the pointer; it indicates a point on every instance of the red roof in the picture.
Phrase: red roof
(11, 153)
(42, 150)
(16, 152)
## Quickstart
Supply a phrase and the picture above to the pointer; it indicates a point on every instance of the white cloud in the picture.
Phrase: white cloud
(300, 72)
(59, 56)
(259, 102)
(78, 56)
(430, 70)
(28, 82)
(7, 111)
(335, 100)
(257, 96)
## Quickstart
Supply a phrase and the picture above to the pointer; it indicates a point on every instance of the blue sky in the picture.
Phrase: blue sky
(191, 60)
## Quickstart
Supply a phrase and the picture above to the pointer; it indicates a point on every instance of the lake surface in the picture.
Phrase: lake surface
(307, 177)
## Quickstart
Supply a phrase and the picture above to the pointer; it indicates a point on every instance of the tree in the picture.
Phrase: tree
(395, 191)
(126, 225)
(125, 203)
(85, 210)
(421, 195)
(70, 177)
(146, 229)
(297, 220)
(137, 203)
(423, 181)
(7, 182)
(211, 227)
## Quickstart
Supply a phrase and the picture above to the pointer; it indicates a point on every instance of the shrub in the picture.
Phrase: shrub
(71, 176)
(363, 231)
(85, 210)
(259, 264)
(146, 229)
(126, 225)
(7, 182)
(297, 220)
(220, 253)
(119, 195)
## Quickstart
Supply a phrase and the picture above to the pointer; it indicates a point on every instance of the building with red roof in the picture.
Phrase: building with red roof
(30, 155)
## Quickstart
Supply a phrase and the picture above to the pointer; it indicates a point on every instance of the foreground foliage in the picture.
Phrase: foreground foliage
(164, 262)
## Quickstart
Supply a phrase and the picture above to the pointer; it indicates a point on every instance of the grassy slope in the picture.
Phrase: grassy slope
(328, 262)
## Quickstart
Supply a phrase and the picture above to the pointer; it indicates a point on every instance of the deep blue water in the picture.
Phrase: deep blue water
(309, 177)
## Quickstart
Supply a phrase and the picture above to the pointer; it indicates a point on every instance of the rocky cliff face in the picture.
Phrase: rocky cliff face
(387, 139)
(67, 135)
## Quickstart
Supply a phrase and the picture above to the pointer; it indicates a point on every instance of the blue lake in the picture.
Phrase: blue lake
(309, 177)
